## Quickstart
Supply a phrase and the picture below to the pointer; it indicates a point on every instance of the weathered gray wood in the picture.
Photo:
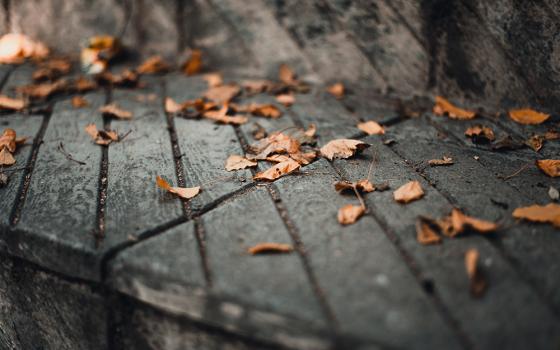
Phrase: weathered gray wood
(471, 186)
(58, 219)
(134, 203)
(40, 310)
(24, 126)
(19, 76)
(363, 276)
(443, 265)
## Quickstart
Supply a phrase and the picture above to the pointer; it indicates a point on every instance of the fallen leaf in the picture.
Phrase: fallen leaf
(126, 78)
(337, 90)
(535, 142)
(98, 52)
(480, 134)
(14, 48)
(550, 167)
(528, 116)
(287, 75)
(11, 103)
(275, 143)
(223, 93)
(444, 161)
(286, 99)
(153, 65)
(171, 106)
(221, 116)
(266, 110)
(310, 132)
(257, 86)
(213, 79)
(79, 102)
(278, 170)
(113, 110)
(552, 135)
(457, 223)
(507, 142)
(183, 192)
(349, 214)
(363, 185)
(52, 69)
(444, 107)
(476, 278)
(549, 213)
(8, 140)
(303, 158)
(408, 192)
(6, 158)
(553, 193)
(101, 137)
(270, 247)
(342, 148)
(193, 64)
(235, 162)
(371, 128)
(258, 131)
(43, 90)
(425, 234)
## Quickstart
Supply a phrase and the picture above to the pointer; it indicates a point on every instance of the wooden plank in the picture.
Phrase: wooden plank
(58, 219)
(442, 266)
(267, 297)
(333, 54)
(476, 189)
(19, 76)
(24, 126)
(399, 57)
(205, 146)
(134, 204)
(363, 276)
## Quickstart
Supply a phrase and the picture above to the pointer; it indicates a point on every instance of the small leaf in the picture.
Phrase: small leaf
(113, 110)
(550, 167)
(408, 192)
(235, 162)
(153, 65)
(278, 170)
(549, 213)
(425, 234)
(444, 107)
(438, 162)
(11, 103)
(342, 148)
(349, 214)
(337, 90)
(6, 158)
(476, 278)
(270, 247)
(371, 128)
(222, 93)
(480, 134)
(193, 64)
(528, 116)
(79, 102)
(183, 192)
(286, 99)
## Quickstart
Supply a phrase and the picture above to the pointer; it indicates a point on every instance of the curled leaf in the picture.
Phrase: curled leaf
(342, 148)
(528, 116)
(349, 214)
(443, 161)
(183, 192)
(371, 128)
(278, 170)
(408, 192)
(235, 162)
(549, 213)
(270, 247)
(98, 52)
(550, 167)
(425, 234)
(457, 223)
(535, 142)
(8, 140)
(480, 134)
(444, 107)
(101, 137)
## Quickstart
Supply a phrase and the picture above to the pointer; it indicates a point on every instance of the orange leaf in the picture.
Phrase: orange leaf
(183, 192)
(443, 107)
(476, 278)
(337, 90)
(408, 192)
(223, 93)
(363, 185)
(235, 162)
(221, 116)
(550, 167)
(193, 65)
(425, 234)
(6, 158)
(15, 47)
(479, 133)
(371, 128)
(286, 75)
(152, 65)
(171, 106)
(11, 103)
(444, 161)
(213, 79)
(540, 213)
(270, 247)
(8, 140)
(460, 222)
(349, 214)
(266, 110)
(342, 148)
(79, 102)
(113, 110)
(278, 170)
(286, 99)
(528, 116)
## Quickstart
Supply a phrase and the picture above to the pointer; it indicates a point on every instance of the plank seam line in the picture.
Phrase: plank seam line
(521, 272)
(28, 171)
(298, 243)
(181, 181)
(416, 271)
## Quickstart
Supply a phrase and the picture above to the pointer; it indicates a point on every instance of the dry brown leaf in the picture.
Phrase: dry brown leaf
(337, 90)
(528, 116)
(457, 223)
(8, 140)
(113, 110)
(425, 234)
(43, 90)
(183, 192)
(287, 75)
(535, 142)
(235, 162)
(275, 143)
(342, 148)
(549, 213)
(193, 64)
(278, 170)
(371, 128)
(480, 134)
(444, 107)
(257, 86)
(98, 52)
(278, 158)
(171, 106)
(79, 102)
(153, 65)
(126, 78)
(286, 99)
(220, 116)
(552, 135)
(476, 278)
(349, 214)
(101, 137)
(222, 93)
(11, 103)
(14, 48)
(270, 247)
(303, 158)
(444, 161)
(266, 110)
(258, 132)
(213, 79)
(550, 167)
(310, 132)
(408, 192)
(6, 158)
(363, 185)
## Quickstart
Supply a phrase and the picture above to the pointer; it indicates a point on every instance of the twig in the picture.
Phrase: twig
(68, 155)
(373, 161)
(121, 138)
(517, 172)
(359, 197)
